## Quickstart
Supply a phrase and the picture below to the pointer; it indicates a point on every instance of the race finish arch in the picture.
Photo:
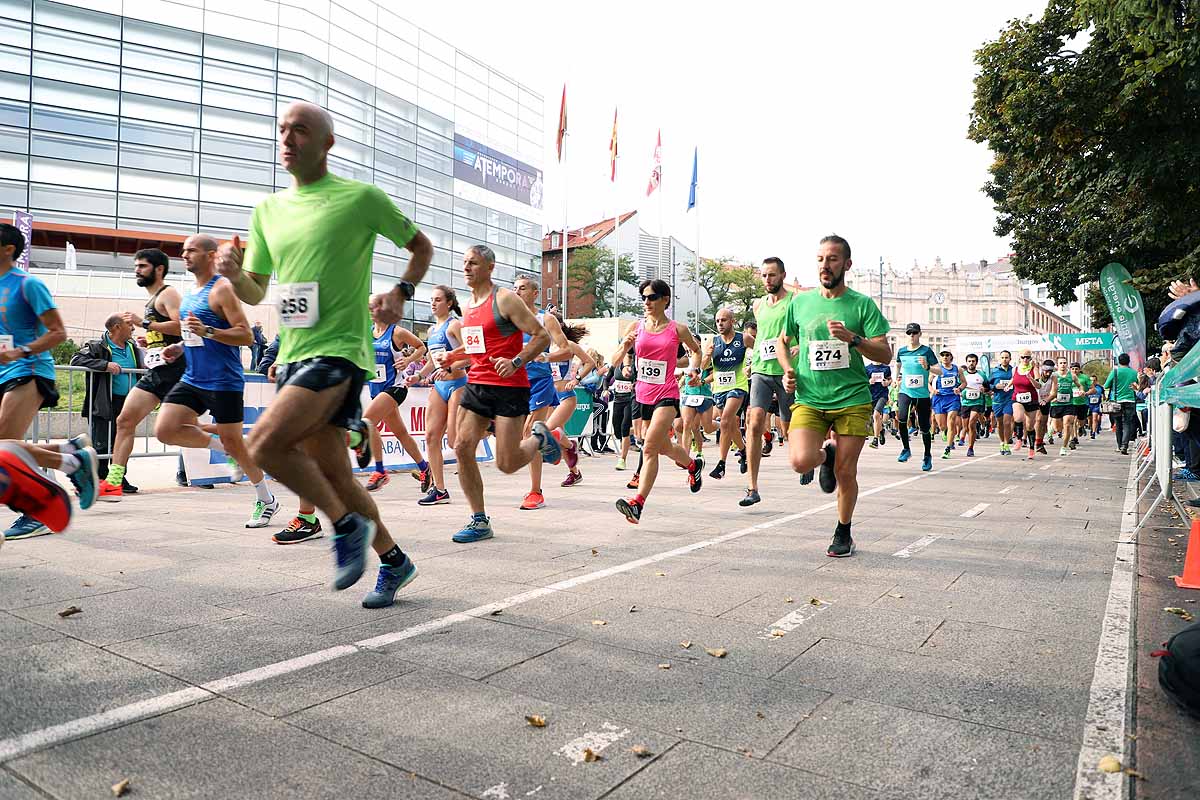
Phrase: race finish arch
(208, 467)
(1037, 342)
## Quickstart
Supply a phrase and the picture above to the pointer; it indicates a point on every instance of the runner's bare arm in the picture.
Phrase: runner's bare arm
(689, 341)
(626, 343)
(562, 347)
(250, 287)
(407, 338)
(228, 306)
(170, 307)
(55, 334)
(586, 362)
(392, 302)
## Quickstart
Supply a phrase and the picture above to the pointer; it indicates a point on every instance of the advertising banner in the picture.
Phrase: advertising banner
(1125, 305)
(1037, 341)
(24, 223)
(206, 466)
(496, 172)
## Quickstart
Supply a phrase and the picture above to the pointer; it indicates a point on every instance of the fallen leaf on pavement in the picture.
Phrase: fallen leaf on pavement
(535, 720)
(497, 612)
(632, 609)
(1133, 773)
(590, 755)
(595, 552)
(641, 751)
(70, 611)
(788, 600)
(664, 666)
(812, 601)
(121, 787)
(598, 622)
(1182, 613)
(685, 645)
(1109, 764)
(660, 574)
(897, 596)
(716, 652)
(760, 715)
(777, 633)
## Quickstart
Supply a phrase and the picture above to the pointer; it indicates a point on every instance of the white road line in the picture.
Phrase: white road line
(23, 744)
(917, 546)
(1007, 489)
(1109, 710)
(975, 510)
(1048, 466)
(790, 622)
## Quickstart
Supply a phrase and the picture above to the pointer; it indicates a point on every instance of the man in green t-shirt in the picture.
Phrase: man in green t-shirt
(1079, 399)
(317, 237)
(1064, 385)
(1121, 384)
(833, 328)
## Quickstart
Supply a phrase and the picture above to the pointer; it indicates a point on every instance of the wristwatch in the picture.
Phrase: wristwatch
(856, 341)
(517, 361)
(26, 350)
(407, 290)
(209, 330)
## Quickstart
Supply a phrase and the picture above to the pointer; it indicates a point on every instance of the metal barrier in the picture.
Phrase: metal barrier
(1156, 458)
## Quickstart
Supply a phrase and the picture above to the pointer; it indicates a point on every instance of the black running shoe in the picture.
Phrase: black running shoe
(127, 487)
(841, 546)
(742, 465)
(750, 499)
(768, 446)
(298, 530)
(828, 479)
(718, 471)
(696, 474)
(631, 509)
(807, 477)
(362, 451)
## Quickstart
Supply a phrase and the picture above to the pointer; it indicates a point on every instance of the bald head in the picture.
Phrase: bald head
(305, 138)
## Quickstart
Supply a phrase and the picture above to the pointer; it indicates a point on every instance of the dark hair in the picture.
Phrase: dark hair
(156, 257)
(450, 296)
(11, 234)
(1049, 363)
(574, 333)
(660, 287)
(1154, 363)
(776, 261)
(833, 238)
(1123, 359)
(751, 324)
(1002, 352)
(972, 355)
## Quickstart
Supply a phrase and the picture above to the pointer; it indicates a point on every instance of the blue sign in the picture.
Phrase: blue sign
(496, 172)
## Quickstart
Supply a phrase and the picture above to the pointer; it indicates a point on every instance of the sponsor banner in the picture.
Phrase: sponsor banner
(1039, 342)
(206, 466)
(24, 223)
(1125, 305)
(496, 172)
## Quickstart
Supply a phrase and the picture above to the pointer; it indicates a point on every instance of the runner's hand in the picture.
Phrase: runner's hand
(789, 381)
(172, 352)
(193, 324)
(229, 259)
(271, 373)
(131, 318)
(142, 343)
(630, 338)
(924, 362)
(838, 331)
(1180, 288)
(391, 306)
(503, 366)
(9, 355)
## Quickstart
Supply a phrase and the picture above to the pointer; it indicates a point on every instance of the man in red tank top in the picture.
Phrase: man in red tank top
(497, 390)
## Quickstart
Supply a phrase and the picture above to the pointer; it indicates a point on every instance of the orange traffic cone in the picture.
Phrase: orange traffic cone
(1191, 562)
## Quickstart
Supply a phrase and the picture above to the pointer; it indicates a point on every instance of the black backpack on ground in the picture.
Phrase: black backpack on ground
(1179, 669)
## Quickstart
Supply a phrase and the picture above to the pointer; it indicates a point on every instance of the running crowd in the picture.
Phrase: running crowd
(812, 369)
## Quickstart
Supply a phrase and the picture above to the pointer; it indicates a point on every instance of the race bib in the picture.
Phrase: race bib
(650, 371)
(380, 373)
(694, 400)
(970, 394)
(435, 353)
(299, 305)
(6, 342)
(472, 337)
(914, 381)
(622, 387)
(1025, 397)
(724, 380)
(1004, 386)
(767, 349)
(154, 358)
(1062, 397)
(1077, 393)
(190, 339)
(828, 354)
(947, 381)
(876, 377)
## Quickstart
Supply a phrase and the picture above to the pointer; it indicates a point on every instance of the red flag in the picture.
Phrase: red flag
(612, 149)
(562, 121)
(656, 173)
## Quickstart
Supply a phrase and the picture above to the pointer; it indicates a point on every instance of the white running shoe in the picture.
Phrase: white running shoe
(260, 517)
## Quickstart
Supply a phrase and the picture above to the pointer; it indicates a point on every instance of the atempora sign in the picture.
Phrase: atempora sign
(496, 172)
(1037, 341)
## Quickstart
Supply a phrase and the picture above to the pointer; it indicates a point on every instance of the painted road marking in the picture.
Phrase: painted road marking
(917, 546)
(975, 511)
(790, 622)
(1007, 489)
(25, 743)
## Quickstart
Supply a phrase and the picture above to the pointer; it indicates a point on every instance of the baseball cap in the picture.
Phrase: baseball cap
(912, 328)
(946, 353)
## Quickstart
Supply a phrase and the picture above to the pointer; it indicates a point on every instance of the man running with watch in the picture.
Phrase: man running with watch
(730, 351)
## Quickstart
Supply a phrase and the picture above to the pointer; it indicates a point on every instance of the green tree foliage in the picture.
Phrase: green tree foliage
(726, 287)
(591, 274)
(61, 353)
(1096, 145)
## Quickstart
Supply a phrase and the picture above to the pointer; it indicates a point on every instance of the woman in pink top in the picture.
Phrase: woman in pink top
(656, 343)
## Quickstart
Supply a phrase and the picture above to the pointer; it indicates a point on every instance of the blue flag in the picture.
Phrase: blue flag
(692, 191)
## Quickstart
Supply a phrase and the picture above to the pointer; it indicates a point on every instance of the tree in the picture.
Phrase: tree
(590, 274)
(726, 286)
(1097, 156)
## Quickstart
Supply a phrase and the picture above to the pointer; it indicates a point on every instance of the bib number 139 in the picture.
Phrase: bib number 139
(299, 305)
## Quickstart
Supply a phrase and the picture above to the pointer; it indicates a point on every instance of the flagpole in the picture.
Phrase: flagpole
(566, 231)
(617, 229)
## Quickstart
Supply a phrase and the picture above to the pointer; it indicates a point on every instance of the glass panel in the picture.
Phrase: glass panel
(431, 216)
(160, 62)
(351, 108)
(349, 169)
(438, 237)
(434, 161)
(73, 147)
(395, 126)
(167, 86)
(214, 191)
(158, 135)
(434, 180)
(227, 218)
(236, 122)
(242, 100)
(14, 194)
(69, 95)
(77, 19)
(436, 123)
(506, 121)
(161, 110)
(302, 65)
(466, 227)
(435, 85)
(396, 106)
(168, 38)
(386, 143)
(397, 47)
(239, 52)
(61, 198)
(394, 186)
(14, 166)
(349, 149)
(13, 140)
(233, 169)
(433, 46)
(16, 10)
(238, 147)
(14, 59)
(79, 45)
(501, 84)
(302, 89)
(432, 141)
(14, 34)
(72, 173)
(508, 222)
(158, 159)
(157, 183)
(429, 197)
(345, 41)
(14, 86)
(344, 127)
(235, 75)
(59, 68)
(156, 208)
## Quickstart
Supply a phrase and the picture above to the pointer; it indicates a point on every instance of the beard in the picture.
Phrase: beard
(145, 280)
(833, 282)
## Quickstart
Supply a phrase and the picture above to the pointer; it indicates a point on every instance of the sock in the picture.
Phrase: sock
(638, 499)
(116, 473)
(214, 443)
(379, 466)
(394, 557)
(721, 463)
(70, 462)
(263, 493)
(479, 516)
(424, 465)
(346, 524)
(311, 519)
(842, 527)
(354, 438)
(639, 469)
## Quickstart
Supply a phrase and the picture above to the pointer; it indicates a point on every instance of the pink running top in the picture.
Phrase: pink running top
(656, 354)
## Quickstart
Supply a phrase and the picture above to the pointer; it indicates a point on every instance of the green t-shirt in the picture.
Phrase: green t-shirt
(1085, 382)
(1063, 385)
(323, 234)
(829, 372)
(770, 320)
(1122, 383)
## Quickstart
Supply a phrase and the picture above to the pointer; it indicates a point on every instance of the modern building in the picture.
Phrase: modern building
(131, 123)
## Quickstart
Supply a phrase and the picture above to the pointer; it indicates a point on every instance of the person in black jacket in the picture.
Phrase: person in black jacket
(108, 383)
(260, 345)
(267, 360)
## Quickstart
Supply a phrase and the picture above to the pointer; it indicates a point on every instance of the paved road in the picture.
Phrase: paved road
(951, 657)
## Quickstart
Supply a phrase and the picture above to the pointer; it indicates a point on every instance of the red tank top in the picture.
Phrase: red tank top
(485, 330)
(1023, 383)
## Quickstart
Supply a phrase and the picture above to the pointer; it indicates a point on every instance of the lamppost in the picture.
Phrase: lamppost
(881, 284)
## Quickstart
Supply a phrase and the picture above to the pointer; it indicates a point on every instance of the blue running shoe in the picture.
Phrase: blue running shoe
(905, 455)
(25, 527)
(391, 580)
(1184, 474)
(478, 529)
(79, 442)
(926, 463)
(550, 448)
(435, 497)
(85, 480)
(350, 551)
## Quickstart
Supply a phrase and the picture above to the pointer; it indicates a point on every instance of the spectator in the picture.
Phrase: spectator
(109, 358)
(268, 358)
(259, 345)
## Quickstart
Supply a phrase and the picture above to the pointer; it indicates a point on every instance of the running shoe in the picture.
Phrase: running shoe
(573, 478)
(298, 530)
(39, 500)
(181, 479)
(478, 529)
(742, 465)
(1186, 474)
(768, 446)
(236, 473)
(1030, 456)
(620, 465)
(109, 493)
(632, 510)
(1041, 448)
(570, 450)
(350, 551)
(425, 476)
(750, 499)
(79, 442)
(882, 437)
(84, 479)
(841, 546)
(362, 450)
(718, 471)
(696, 474)
(377, 481)
(25, 527)
(435, 497)
(946, 453)
(391, 580)
(874, 443)
(926, 463)
(1062, 451)
(260, 517)
(905, 455)
(127, 487)
(550, 449)
(633, 482)
(533, 501)
(828, 479)
(1093, 435)
(970, 452)
(807, 477)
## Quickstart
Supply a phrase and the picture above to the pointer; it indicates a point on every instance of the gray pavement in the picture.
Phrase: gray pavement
(962, 670)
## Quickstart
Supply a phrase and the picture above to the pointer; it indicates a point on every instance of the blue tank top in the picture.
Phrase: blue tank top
(949, 376)
(537, 370)
(728, 356)
(439, 336)
(999, 374)
(385, 361)
(211, 366)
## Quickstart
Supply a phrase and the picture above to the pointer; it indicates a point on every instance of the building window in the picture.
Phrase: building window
(932, 312)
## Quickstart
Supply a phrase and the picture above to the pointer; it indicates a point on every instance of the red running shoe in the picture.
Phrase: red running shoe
(23, 488)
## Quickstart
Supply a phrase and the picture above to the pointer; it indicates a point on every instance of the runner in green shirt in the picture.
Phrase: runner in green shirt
(317, 237)
(1122, 384)
(1065, 384)
(1079, 399)
(834, 328)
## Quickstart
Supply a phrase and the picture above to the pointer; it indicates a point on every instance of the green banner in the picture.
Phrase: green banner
(1125, 305)
(577, 424)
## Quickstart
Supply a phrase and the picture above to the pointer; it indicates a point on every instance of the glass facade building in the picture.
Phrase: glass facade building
(159, 116)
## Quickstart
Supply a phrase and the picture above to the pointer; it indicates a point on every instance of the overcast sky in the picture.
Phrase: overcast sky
(810, 117)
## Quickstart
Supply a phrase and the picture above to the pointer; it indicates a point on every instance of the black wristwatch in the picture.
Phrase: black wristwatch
(856, 341)
(26, 349)
(517, 361)
(407, 290)
(209, 330)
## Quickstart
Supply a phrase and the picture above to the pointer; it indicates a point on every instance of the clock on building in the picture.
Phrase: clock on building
(939, 297)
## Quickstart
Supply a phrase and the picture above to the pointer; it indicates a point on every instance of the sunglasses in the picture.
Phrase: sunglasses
(650, 298)
(1026, 358)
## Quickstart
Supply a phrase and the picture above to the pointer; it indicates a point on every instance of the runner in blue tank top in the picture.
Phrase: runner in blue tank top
(946, 402)
(214, 329)
(441, 418)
